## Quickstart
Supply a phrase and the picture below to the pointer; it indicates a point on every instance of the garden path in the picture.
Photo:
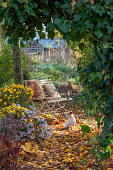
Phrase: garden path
(65, 149)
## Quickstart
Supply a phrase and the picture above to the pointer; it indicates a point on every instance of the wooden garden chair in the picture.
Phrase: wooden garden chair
(42, 97)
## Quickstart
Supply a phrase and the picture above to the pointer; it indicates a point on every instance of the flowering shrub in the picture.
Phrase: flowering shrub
(15, 94)
(41, 129)
(10, 120)
(35, 127)
(19, 123)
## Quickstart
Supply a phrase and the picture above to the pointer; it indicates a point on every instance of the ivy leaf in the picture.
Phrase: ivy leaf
(102, 11)
(63, 25)
(110, 13)
(99, 34)
(93, 76)
(107, 76)
(110, 29)
(45, 11)
(88, 24)
(21, 18)
(77, 17)
(85, 128)
(57, 21)
(99, 75)
(30, 11)
(10, 21)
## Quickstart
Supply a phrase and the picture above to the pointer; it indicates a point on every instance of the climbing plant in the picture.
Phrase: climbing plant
(78, 21)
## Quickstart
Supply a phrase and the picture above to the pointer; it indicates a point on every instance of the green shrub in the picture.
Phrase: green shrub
(6, 64)
(58, 72)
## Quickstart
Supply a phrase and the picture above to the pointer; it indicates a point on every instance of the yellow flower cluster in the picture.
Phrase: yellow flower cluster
(14, 92)
(12, 109)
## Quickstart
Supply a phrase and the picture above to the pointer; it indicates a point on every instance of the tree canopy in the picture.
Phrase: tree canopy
(74, 19)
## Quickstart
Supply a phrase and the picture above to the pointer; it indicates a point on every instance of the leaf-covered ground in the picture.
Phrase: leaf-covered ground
(66, 149)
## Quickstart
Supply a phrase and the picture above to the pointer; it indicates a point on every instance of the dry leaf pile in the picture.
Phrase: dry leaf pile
(66, 149)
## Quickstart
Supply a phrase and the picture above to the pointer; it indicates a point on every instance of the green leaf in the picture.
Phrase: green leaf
(21, 18)
(57, 21)
(106, 45)
(85, 128)
(63, 25)
(110, 29)
(99, 75)
(84, 161)
(93, 76)
(107, 76)
(77, 17)
(78, 165)
(108, 149)
(88, 24)
(99, 34)
(45, 11)
(30, 11)
(110, 13)
(10, 21)
(111, 140)
(102, 11)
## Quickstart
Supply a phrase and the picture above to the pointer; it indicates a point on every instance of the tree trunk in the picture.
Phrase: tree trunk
(18, 75)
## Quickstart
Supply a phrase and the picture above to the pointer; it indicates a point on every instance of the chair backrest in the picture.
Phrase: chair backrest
(41, 84)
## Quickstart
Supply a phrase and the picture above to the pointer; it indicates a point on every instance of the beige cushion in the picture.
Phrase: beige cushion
(50, 90)
(35, 87)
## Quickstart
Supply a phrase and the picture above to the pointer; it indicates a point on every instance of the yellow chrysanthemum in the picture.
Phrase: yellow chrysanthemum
(23, 113)
(0, 100)
(4, 90)
(5, 103)
(24, 109)
(8, 97)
